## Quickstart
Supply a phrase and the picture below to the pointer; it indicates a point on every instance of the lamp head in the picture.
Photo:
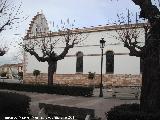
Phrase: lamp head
(102, 43)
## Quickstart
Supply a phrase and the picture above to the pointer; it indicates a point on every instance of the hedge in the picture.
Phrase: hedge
(14, 105)
(51, 89)
(130, 112)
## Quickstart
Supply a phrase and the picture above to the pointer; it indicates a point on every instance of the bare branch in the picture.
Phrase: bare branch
(8, 14)
(3, 50)
(32, 52)
(72, 38)
(129, 37)
(128, 34)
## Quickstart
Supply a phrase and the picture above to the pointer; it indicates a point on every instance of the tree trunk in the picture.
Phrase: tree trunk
(150, 92)
(52, 66)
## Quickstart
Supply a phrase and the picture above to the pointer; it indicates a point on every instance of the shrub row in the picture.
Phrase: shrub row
(130, 112)
(13, 104)
(52, 89)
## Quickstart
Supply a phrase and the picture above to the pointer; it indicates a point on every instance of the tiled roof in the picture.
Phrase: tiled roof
(11, 65)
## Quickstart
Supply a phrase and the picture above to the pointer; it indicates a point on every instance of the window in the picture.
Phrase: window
(79, 62)
(109, 62)
(141, 65)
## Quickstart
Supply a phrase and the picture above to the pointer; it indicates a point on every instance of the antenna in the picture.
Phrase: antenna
(128, 16)
(136, 18)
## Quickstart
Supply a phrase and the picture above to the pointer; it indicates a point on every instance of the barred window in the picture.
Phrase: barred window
(79, 62)
(109, 62)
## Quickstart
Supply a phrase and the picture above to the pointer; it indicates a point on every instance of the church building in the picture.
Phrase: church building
(118, 67)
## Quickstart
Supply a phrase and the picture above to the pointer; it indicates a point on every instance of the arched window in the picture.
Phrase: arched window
(109, 62)
(79, 62)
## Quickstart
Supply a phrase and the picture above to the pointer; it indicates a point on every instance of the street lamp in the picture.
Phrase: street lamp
(102, 44)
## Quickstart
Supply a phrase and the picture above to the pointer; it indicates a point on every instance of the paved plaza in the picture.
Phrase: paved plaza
(100, 105)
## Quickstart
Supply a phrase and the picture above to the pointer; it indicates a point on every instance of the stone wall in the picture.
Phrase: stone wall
(82, 79)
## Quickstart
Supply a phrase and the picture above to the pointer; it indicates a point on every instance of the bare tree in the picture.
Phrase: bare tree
(47, 44)
(150, 53)
(8, 17)
(129, 33)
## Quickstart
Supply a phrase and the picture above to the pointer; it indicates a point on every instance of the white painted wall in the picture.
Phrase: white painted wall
(123, 64)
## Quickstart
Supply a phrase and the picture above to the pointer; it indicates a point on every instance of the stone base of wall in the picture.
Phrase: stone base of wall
(82, 79)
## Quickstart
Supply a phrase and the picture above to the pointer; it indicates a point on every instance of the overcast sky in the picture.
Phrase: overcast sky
(86, 13)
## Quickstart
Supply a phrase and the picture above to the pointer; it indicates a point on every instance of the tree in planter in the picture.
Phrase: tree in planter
(36, 73)
(150, 53)
(47, 43)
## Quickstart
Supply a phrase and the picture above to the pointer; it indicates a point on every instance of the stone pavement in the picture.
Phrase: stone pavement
(100, 105)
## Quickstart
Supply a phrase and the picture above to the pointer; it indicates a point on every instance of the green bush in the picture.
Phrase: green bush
(36, 73)
(130, 112)
(20, 74)
(13, 104)
(91, 75)
(52, 89)
(3, 74)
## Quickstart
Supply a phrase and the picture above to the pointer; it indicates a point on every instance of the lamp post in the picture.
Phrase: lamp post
(102, 44)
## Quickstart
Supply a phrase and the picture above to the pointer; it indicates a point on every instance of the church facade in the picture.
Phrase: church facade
(118, 67)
